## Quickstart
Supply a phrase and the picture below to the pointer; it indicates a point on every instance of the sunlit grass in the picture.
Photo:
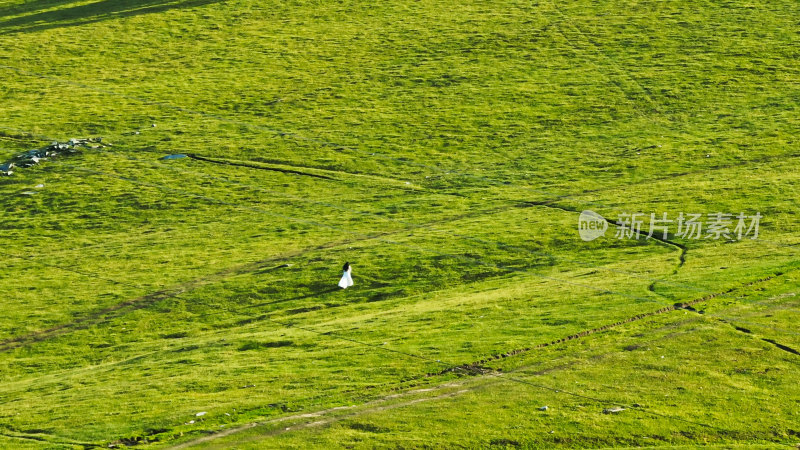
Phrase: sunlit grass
(444, 149)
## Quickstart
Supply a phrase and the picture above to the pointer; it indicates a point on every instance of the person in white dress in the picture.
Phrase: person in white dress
(346, 280)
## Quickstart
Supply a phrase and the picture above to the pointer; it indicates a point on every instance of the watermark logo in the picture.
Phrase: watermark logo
(591, 225)
(687, 226)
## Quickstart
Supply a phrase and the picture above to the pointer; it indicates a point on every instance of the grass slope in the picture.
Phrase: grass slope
(446, 150)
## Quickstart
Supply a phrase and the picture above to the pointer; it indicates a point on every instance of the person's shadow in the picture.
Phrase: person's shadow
(31, 18)
(299, 297)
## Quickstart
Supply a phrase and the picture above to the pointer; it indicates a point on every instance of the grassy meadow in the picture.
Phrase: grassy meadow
(445, 149)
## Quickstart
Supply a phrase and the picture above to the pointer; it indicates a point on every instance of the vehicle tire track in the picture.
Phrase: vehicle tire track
(747, 331)
(327, 174)
(380, 403)
(146, 300)
(132, 305)
(377, 405)
(630, 87)
(259, 167)
(478, 367)
(42, 439)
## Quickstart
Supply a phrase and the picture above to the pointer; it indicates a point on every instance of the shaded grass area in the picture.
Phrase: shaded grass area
(45, 15)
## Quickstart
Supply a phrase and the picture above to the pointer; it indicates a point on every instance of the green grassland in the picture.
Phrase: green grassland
(446, 150)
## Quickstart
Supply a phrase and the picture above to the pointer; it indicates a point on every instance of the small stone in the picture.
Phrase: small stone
(200, 414)
(543, 408)
(613, 410)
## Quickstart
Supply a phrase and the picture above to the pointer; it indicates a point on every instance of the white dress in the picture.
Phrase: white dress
(346, 280)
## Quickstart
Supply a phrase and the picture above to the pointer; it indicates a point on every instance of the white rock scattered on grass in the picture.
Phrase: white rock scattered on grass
(190, 422)
(227, 414)
(28, 193)
(613, 410)
(39, 186)
(200, 414)
(544, 408)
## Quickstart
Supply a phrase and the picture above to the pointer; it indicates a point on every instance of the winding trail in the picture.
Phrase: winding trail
(683, 250)
(477, 367)
(480, 377)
